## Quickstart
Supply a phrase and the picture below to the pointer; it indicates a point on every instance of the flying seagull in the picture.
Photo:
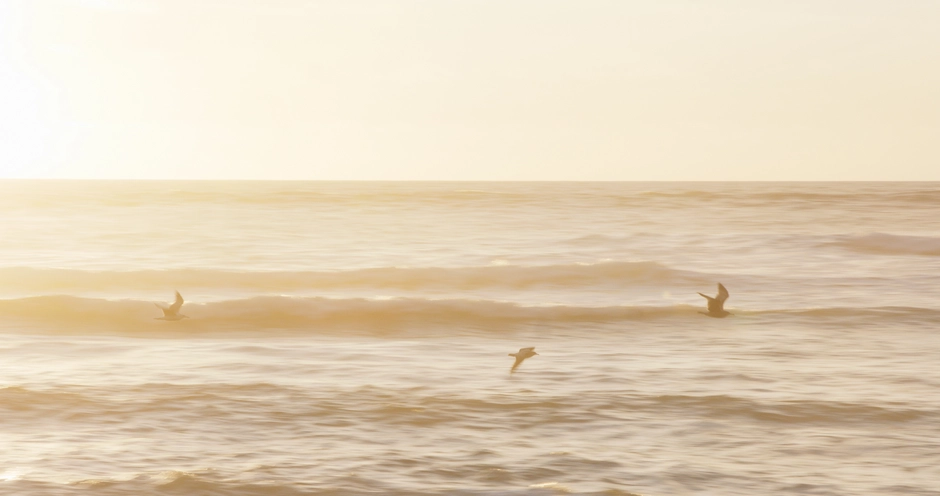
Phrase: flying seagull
(716, 305)
(520, 356)
(172, 312)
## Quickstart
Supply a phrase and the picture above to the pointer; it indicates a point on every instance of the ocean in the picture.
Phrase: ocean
(352, 337)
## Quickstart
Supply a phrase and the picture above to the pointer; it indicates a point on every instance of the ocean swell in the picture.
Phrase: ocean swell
(368, 405)
(891, 244)
(617, 274)
(67, 314)
(376, 316)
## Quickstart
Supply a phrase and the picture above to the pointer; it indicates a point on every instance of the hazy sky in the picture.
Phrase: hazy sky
(470, 89)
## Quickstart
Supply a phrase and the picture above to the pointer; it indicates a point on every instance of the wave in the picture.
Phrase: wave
(174, 482)
(873, 243)
(876, 313)
(784, 193)
(316, 314)
(371, 405)
(617, 274)
(805, 411)
(423, 406)
(891, 244)
(298, 416)
(381, 316)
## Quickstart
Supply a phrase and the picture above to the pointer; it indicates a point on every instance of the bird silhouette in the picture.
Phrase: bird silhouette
(716, 305)
(521, 355)
(172, 312)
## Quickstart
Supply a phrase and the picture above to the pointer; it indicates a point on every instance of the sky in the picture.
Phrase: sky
(590, 90)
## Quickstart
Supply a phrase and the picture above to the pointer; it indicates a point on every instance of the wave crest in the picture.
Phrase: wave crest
(67, 314)
(617, 274)
(315, 314)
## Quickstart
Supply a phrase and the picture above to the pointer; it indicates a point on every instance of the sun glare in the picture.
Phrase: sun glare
(410, 90)
(10, 475)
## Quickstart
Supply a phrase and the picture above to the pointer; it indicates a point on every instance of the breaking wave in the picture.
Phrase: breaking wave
(316, 314)
(379, 316)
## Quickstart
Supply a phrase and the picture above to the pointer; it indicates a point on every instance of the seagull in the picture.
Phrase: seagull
(172, 312)
(520, 356)
(716, 305)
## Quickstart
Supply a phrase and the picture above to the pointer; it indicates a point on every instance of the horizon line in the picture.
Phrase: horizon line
(79, 179)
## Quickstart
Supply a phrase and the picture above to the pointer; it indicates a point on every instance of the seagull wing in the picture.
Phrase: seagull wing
(519, 359)
(722, 294)
(526, 351)
(716, 304)
(709, 298)
(166, 309)
(175, 307)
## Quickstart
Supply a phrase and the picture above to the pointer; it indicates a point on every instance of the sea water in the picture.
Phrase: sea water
(352, 338)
